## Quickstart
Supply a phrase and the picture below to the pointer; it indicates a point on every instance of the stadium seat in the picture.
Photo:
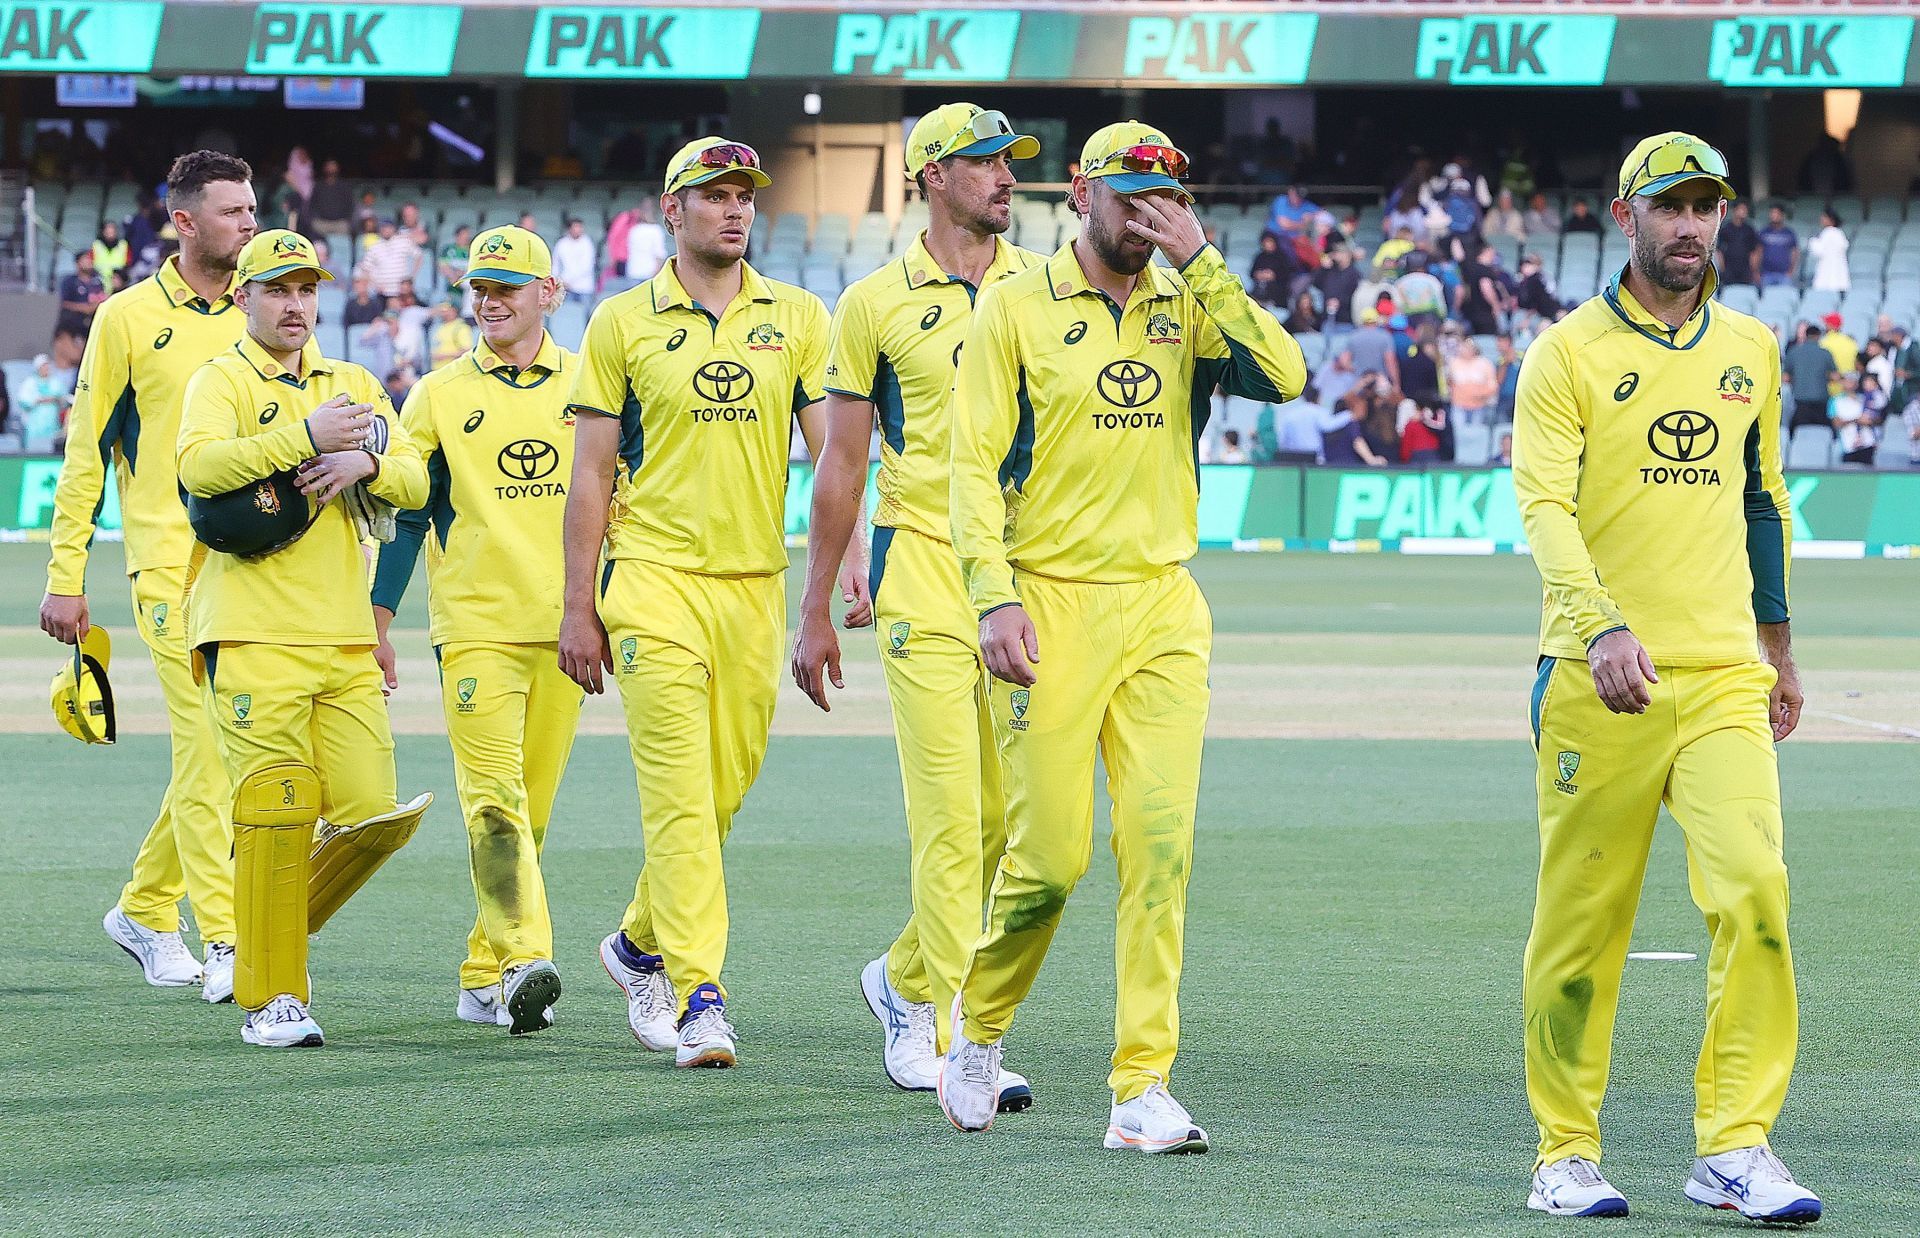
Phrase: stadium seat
(1313, 346)
(569, 324)
(832, 235)
(1472, 444)
(1742, 297)
(1811, 448)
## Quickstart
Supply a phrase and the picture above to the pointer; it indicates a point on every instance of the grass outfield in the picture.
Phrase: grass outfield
(1352, 1033)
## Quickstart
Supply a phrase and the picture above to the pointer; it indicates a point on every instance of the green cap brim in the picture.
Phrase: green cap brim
(1141, 182)
(1660, 184)
(270, 275)
(513, 278)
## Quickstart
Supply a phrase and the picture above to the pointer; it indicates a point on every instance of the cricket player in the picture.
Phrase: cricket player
(1647, 467)
(146, 342)
(498, 440)
(283, 634)
(687, 389)
(895, 336)
(1083, 387)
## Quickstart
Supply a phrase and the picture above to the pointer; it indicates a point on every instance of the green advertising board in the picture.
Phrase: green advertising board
(1229, 44)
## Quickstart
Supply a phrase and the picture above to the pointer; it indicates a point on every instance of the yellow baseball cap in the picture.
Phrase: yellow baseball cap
(964, 129)
(508, 255)
(703, 159)
(82, 701)
(274, 253)
(1134, 157)
(1668, 159)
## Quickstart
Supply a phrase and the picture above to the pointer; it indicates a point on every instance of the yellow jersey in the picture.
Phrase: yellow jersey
(706, 408)
(145, 344)
(498, 443)
(452, 340)
(244, 418)
(896, 341)
(1646, 462)
(1089, 415)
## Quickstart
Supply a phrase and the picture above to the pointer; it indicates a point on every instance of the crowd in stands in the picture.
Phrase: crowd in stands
(1414, 311)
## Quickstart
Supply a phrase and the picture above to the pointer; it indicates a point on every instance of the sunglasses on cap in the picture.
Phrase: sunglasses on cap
(727, 155)
(1146, 158)
(1676, 157)
(983, 127)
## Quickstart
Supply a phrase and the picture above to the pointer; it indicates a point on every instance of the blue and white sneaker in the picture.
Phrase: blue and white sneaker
(706, 1038)
(911, 1061)
(282, 1023)
(643, 979)
(1753, 1183)
(1574, 1187)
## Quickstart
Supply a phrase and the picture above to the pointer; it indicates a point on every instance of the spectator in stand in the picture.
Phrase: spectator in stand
(1424, 433)
(1779, 250)
(1405, 213)
(1540, 219)
(1536, 295)
(1421, 295)
(1337, 376)
(1372, 349)
(528, 222)
(1739, 247)
(413, 227)
(1828, 250)
(576, 263)
(1503, 454)
(399, 382)
(1272, 272)
(1516, 174)
(365, 304)
(332, 205)
(373, 346)
(1374, 433)
(391, 261)
(1473, 383)
(43, 402)
(452, 336)
(1877, 359)
(366, 216)
(1904, 396)
(1305, 314)
(291, 207)
(1808, 368)
(1844, 348)
(1231, 452)
(1292, 215)
(323, 252)
(1484, 302)
(1300, 427)
(299, 177)
(453, 256)
(1389, 260)
(1505, 218)
(1464, 211)
(615, 249)
(1853, 423)
(1420, 366)
(413, 318)
(1506, 368)
(143, 238)
(111, 253)
(646, 246)
(1337, 282)
(80, 295)
(1582, 218)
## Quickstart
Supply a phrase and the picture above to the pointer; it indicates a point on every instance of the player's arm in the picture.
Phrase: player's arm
(1261, 361)
(214, 458)
(394, 570)
(984, 408)
(1770, 557)
(809, 400)
(95, 422)
(1547, 444)
(601, 408)
(839, 481)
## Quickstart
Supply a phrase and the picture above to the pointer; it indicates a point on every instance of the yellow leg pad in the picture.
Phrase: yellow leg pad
(345, 856)
(274, 811)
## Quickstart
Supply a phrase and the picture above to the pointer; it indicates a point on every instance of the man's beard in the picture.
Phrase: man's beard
(1663, 273)
(1119, 257)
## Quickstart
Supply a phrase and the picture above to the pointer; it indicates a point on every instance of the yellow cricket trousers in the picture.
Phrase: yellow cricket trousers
(950, 772)
(189, 850)
(1123, 668)
(697, 658)
(314, 705)
(511, 714)
(1704, 748)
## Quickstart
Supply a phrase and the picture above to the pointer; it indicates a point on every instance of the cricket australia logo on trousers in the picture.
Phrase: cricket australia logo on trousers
(629, 649)
(242, 706)
(465, 690)
(1569, 765)
(897, 636)
(1019, 698)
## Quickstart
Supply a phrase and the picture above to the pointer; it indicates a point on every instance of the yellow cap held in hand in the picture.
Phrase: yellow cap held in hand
(82, 700)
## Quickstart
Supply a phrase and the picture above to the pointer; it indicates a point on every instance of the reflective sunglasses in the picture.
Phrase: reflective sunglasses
(1680, 155)
(1146, 157)
(726, 155)
(983, 126)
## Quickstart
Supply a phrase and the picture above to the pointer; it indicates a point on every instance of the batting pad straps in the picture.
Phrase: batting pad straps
(274, 811)
(345, 856)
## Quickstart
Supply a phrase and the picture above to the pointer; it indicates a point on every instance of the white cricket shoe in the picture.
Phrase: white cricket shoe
(282, 1023)
(1753, 1183)
(706, 1038)
(911, 1060)
(163, 957)
(969, 1082)
(528, 993)
(1154, 1122)
(650, 1002)
(216, 974)
(482, 1006)
(1573, 1186)
(1015, 1094)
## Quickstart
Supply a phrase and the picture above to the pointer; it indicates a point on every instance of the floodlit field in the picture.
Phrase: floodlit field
(1351, 1011)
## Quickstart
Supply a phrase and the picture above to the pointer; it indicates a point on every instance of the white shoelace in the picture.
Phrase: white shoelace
(653, 996)
(920, 1027)
(283, 1010)
(170, 949)
(220, 951)
(1161, 1102)
(707, 1025)
(979, 1064)
(1761, 1162)
(1583, 1171)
